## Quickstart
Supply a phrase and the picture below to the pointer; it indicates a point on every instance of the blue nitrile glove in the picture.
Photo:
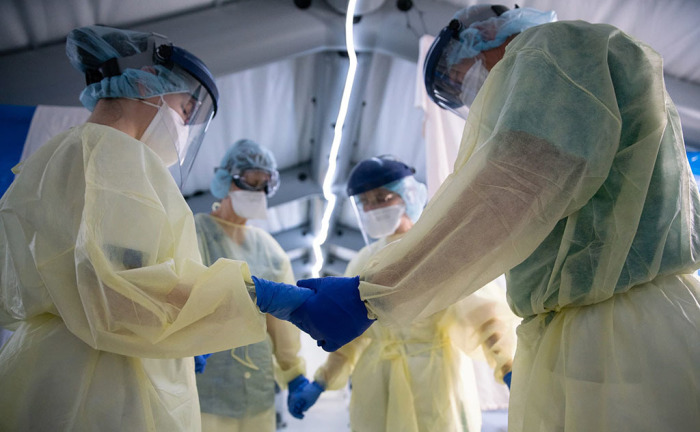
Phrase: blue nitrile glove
(302, 395)
(507, 377)
(200, 362)
(279, 299)
(335, 314)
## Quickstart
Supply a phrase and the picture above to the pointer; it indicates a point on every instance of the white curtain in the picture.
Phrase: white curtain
(390, 121)
(51, 120)
(270, 105)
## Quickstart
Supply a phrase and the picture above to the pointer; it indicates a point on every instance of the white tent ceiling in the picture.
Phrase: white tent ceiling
(281, 71)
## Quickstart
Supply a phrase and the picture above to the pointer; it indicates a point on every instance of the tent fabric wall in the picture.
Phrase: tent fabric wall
(48, 121)
(391, 123)
(279, 95)
(694, 160)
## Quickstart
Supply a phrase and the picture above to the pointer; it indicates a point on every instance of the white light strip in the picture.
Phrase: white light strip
(335, 146)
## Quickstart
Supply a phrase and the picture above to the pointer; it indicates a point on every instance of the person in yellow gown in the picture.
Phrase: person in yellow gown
(572, 178)
(392, 368)
(101, 280)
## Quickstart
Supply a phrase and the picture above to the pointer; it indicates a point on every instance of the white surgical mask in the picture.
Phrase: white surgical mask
(167, 134)
(472, 82)
(382, 222)
(249, 204)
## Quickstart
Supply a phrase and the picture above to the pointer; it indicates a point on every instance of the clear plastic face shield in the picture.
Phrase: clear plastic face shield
(195, 111)
(445, 76)
(187, 102)
(455, 66)
(379, 212)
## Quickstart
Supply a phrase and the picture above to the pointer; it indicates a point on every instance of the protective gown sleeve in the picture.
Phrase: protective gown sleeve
(114, 244)
(536, 147)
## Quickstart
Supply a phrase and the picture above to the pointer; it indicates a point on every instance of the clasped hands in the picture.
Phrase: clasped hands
(328, 309)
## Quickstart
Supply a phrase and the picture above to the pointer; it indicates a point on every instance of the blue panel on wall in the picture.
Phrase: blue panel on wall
(14, 126)
(694, 160)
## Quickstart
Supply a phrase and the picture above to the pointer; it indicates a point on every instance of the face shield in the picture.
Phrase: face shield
(454, 69)
(381, 190)
(379, 212)
(188, 98)
(196, 108)
(442, 82)
(453, 81)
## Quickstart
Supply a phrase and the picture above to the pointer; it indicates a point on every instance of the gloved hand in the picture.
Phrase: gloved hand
(302, 395)
(279, 299)
(507, 377)
(200, 362)
(334, 315)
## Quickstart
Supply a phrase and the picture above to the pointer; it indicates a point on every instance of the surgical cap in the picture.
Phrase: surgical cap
(89, 47)
(481, 35)
(243, 155)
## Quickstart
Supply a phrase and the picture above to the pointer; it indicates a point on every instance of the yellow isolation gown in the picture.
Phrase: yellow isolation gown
(572, 178)
(417, 378)
(102, 282)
